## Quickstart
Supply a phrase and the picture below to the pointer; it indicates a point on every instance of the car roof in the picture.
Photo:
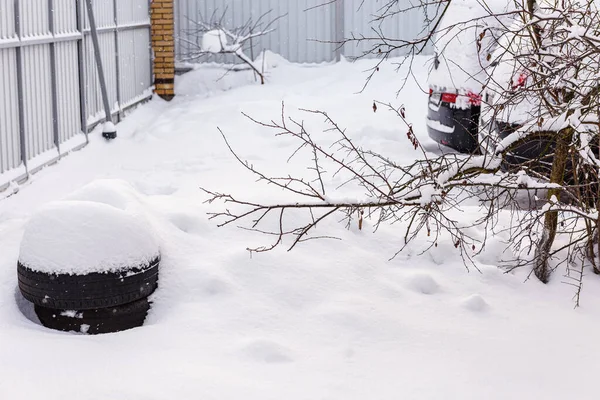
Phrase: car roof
(460, 62)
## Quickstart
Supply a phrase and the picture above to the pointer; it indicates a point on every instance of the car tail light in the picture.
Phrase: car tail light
(430, 92)
(474, 99)
(521, 80)
(449, 97)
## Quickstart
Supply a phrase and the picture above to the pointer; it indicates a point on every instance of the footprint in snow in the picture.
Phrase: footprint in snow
(155, 190)
(188, 223)
(199, 283)
(475, 303)
(266, 351)
(422, 282)
(215, 287)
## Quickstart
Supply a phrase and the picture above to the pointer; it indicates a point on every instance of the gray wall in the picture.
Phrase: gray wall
(300, 34)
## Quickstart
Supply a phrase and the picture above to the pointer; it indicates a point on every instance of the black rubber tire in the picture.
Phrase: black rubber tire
(88, 292)
(103, 320)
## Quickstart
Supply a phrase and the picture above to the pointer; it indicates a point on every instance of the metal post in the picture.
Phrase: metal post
(21, 100)
(109, 131)
(82, 72)
(118, 68)
(339, 26)
(53, 83)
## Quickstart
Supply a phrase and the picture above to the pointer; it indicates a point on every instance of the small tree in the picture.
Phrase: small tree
(213, 37)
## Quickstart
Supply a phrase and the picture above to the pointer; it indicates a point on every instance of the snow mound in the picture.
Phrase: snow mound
(422, 282)
(267, 351)
(271, 59)
(79, 237)
(475, 303)
(109, 127)
(214, 41)
(188, 222)
(113, 192)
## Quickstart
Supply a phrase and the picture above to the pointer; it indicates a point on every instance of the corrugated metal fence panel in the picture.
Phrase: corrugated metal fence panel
(134, 58)
(10, 143)
(37, 99)
(48, 74)
(67, 71)
(104, 13)
(133, 11)
(7, 19)
(34, 18)
(296, 37)
(127, 65)
(134, 51)
(143, 62)
(361, 20)
(94, 108)
(304, 33)
(67, 83)
(65, 16)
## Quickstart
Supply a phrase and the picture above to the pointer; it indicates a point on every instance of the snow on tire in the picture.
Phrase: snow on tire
(104, 320)
(86, 255)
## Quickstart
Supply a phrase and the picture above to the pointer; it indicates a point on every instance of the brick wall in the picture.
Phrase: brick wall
(163, 28)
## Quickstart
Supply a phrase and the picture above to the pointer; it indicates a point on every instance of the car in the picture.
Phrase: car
(463, 45)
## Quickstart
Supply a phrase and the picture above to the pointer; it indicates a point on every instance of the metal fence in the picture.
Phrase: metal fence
(49, 92)
(309, 30)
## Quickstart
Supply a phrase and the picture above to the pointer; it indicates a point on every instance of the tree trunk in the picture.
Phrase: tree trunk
(542, 255)
(537, 36)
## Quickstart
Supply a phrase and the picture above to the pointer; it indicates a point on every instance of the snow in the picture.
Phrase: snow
(329, 320)
(475, 303)
(461, 64)
(72, 314)
(214, 41)
(109, 127)
(117, 193)
(438, 126)
(79, 237)
(12, 175)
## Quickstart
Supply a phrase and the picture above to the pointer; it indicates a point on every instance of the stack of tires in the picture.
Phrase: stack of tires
(88, 267)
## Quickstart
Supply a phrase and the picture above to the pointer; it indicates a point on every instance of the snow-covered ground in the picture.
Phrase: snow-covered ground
(331, 319)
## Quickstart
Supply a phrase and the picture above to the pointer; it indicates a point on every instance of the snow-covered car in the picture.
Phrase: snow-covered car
(465, 39)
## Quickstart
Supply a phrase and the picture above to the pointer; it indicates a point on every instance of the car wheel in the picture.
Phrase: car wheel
(86, 292)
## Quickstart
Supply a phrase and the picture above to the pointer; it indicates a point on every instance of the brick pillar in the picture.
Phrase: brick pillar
(163, 44)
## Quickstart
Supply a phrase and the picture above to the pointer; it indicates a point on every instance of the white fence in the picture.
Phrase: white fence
(49, 92)
(310, 28)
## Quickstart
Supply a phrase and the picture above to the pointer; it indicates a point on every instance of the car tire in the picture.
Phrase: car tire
(88, 292)
(103, 320)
